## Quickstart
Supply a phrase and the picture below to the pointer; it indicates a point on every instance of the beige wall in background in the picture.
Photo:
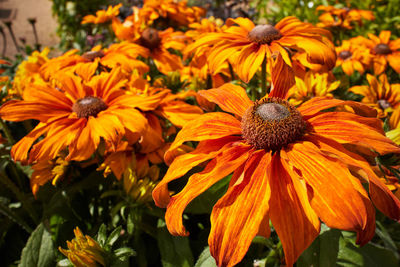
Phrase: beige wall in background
(22, 10)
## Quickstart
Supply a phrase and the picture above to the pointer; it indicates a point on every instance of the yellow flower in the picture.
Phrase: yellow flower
(314, 84)
(84, 251)
(29, 71)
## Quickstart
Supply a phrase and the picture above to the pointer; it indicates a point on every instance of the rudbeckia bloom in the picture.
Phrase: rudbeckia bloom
(342, 17)
(352, 56)
(77, 115)
(250, 44)
(290, 165)
(102, 16)
(381, 95)
(384, 51)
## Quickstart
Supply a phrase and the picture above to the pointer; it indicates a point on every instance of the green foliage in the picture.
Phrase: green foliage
(39, 250)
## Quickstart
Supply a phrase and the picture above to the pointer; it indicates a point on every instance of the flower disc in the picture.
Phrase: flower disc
(264, 34)
(91, 55)
(345, 54)
(382, 49)
(271, 124)
(88, 106)
(150, 38)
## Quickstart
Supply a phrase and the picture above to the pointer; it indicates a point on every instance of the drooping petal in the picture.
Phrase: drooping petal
(221, 166)
(60, 134)
(345, 127)
(229, 97)
(291, 215)
(179, 112)
(207, 126)
(182, 164)
(249, 61)
(18, 110)
(333, 191)
(282, 78)
(19, 151)
(237, 216)
(317, 104)
(381, 196)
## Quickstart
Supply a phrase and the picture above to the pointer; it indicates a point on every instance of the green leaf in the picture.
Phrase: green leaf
(114, 236)
(102, 235)
(39, 250)
(174, 250)
(370, 255)
(124, 252)
(323, 251)
(204, 203)
(205, 259)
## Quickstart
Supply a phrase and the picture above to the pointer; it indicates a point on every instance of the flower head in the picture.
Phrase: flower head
(290, 165)
(249, 44)
(384, 51)
(77, 115)
(84, 251)
(102, 16)
(380, 94)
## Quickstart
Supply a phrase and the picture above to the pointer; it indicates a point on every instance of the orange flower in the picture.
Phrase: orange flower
(122, 55)
(342, 17)
(250, 44)
(382, 96)
(102, 16)
(47, 170)
(289, 166)
(156, 43)
(352, 56)
(384, 51)
(77, 115)
(176, 11)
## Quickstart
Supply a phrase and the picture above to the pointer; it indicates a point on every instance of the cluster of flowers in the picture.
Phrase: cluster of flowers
(292, 162)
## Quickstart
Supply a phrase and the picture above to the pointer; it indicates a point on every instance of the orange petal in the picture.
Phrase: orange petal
(333, 192)
(317, 104)
(229, 97)
(224, 164)
(143, 102)
(345, 127)
(295, 222)
(381, 196)
(182, 164)
(60, 134)
(282, 78)
(249, 61)
(18, 110)
(237, 216)
(179, 112)
(19, 151)
(207, 126)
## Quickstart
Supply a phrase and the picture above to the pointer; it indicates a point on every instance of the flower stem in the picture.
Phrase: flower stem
(264, 76)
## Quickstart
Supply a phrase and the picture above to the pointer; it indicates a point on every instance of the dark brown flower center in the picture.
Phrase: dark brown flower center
(91, 55)
(383, 104)
(271, 124)
(264, 34)
(150, 38)
(345, 54)
(382, 49)
(88, 106)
